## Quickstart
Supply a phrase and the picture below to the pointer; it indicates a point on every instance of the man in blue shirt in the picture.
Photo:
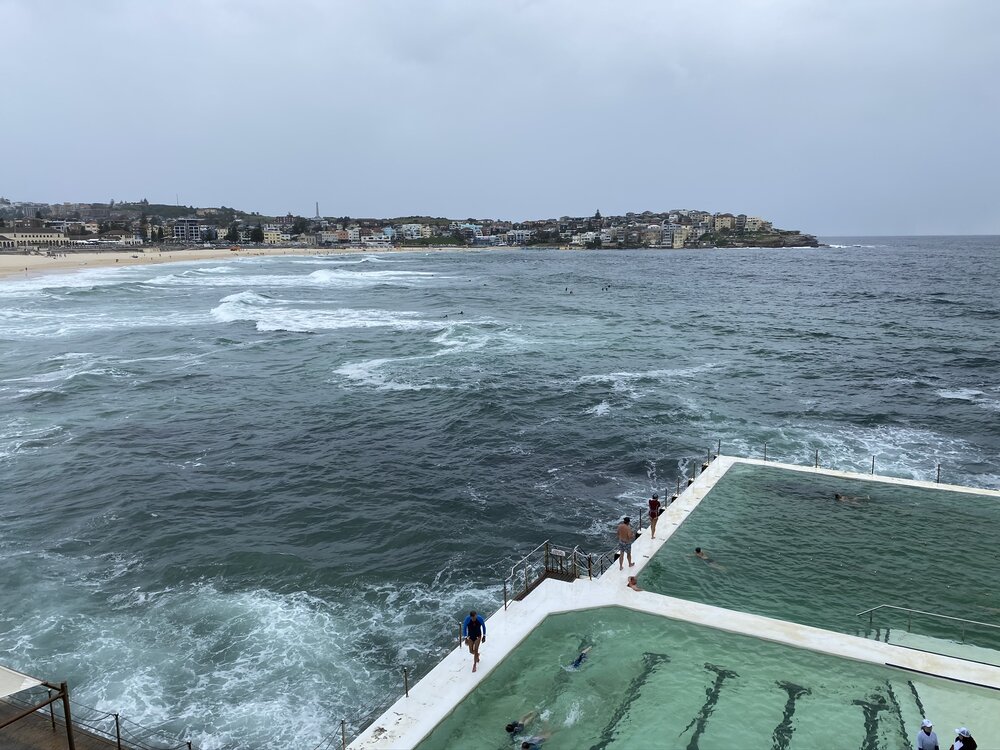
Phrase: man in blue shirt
(474, 633)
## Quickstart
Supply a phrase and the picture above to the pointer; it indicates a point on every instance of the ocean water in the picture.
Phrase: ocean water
(239, 497)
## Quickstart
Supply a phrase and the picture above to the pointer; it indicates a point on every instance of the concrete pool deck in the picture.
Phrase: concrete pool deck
(410, 719)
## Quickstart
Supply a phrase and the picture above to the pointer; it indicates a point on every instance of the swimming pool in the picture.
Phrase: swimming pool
(649, 681)
(782, 546)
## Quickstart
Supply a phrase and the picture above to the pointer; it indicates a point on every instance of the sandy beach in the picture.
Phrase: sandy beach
(23, 265)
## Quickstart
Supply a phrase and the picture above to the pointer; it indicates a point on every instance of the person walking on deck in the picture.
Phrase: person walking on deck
(474, 633)
(626, 535)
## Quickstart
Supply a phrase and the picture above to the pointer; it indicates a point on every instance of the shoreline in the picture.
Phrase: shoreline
(22, 265)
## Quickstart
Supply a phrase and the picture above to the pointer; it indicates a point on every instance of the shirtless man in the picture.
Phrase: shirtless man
(625, 538)
(701, 554)
(633, 583)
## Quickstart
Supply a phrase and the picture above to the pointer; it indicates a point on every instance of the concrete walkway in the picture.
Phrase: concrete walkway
(35, 733)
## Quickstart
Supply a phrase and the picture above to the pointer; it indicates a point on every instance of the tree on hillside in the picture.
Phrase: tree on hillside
(257, 234)
(300, 225)
(233, 235)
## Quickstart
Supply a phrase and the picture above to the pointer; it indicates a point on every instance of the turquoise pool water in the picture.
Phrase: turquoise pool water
(782, 546)
(653, 682)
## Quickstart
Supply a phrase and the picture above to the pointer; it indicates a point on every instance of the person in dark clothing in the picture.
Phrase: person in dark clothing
(964, 740)
(474, 633)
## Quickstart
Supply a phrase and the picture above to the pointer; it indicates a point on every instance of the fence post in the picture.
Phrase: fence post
(460, 634)
(678, 487)
(118, 733)
(816, 461)
(526, 579)
(939, 474)
(590, 567)
(406, 682)
(873, 465)
(546, 556)
(505, 593)
(64, 689)
(343, 734)
(52, 712)
(718, 451)
(765, 451)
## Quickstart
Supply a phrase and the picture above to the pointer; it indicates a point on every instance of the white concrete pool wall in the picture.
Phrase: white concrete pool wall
(410, 719)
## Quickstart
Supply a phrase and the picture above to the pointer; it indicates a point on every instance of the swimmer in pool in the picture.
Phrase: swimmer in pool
(581, 658)
(701, 554)
(516, 727)
(633, 583)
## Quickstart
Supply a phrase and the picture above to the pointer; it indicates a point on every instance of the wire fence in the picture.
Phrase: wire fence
(107, 725)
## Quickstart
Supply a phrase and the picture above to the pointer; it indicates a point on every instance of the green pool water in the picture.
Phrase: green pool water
(782, 546)
(653, 682)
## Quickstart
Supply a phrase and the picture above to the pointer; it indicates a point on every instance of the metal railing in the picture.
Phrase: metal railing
(107, 725)
(937, 474)
(909, 618)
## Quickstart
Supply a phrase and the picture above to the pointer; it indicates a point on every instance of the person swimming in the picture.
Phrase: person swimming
(701, 554)
(850, 499)
(581, 658)
(516, 727)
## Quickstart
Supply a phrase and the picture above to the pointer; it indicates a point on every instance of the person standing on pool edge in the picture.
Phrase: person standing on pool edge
(474, 633)
(625, 538)
(655, 509)
(926, 737)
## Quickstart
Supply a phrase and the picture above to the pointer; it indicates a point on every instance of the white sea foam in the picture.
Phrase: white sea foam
(164, 656)
(337, 277)
(961, 394)
(972, 395)
(907, 452)
(628, 383)
(369, 373)
(281, 315)
(18, 436)
(600, 410)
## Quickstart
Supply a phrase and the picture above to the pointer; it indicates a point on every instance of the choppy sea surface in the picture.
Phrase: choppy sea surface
(238, 497)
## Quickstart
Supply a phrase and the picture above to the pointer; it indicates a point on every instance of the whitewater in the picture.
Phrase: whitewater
(239, 498)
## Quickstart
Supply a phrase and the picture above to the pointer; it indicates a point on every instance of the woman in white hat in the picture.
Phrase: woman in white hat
(964, 740)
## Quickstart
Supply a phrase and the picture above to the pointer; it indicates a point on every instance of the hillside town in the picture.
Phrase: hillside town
(26, 226)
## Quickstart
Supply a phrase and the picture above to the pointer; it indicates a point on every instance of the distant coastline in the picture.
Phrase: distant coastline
(24, 265)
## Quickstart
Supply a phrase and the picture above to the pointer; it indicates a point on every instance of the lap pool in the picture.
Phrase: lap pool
(783, 547)
(649, 681)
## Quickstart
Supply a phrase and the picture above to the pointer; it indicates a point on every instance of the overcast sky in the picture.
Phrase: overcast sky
(830, 116)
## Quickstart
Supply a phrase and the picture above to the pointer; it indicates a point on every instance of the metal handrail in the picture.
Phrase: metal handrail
(524, 560)
(930, 614)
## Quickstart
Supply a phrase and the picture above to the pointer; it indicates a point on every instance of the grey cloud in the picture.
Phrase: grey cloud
(827, 116)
